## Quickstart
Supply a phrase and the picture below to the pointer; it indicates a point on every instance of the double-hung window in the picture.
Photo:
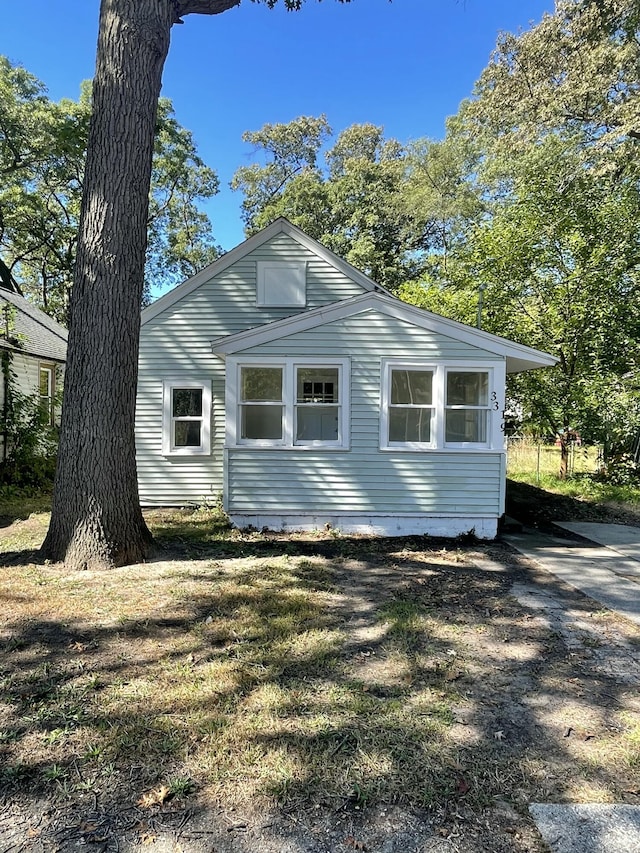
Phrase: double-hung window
(317, 405)
(187, 418)
(437, 407)
(47, 389)
(289, 403)
(466, 407)
(261, 406)
(411, 408)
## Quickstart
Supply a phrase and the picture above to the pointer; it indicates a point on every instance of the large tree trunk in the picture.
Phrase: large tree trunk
(96, 519)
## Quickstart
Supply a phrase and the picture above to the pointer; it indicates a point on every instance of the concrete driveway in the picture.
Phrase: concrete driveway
(603, 562)
(600, 560)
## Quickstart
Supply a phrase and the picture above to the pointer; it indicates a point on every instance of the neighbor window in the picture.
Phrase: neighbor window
(47, 389)
(435, 407)
(187, 418)
(288, 404)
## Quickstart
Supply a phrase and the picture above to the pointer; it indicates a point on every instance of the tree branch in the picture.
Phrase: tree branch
(202, 7)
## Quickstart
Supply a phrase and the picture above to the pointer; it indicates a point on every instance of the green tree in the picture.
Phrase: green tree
(577, 69)
(551, 138)
(96, 518)
(558, 258)
(42, 151)
(352, 202)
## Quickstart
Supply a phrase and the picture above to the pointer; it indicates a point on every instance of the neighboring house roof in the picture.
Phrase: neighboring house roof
(279, 226)
(36, 332)
(518, 356)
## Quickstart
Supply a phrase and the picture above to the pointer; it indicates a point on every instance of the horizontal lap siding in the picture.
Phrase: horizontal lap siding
(277, 481)
(364, 478)
(177, 344)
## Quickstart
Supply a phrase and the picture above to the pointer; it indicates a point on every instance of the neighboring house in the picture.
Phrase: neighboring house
(288, 382)
(37, 350)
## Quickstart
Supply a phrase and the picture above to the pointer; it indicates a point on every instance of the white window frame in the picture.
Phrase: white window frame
(295, 271)
(495, 408)
(484, 408)
(289, 367)
(48, 399)
(169, 447)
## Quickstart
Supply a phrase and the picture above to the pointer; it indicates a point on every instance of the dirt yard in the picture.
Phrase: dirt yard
(316, 694)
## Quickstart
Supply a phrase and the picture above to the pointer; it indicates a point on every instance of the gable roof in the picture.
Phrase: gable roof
(518, 356)
(38, 334)
(279, 226)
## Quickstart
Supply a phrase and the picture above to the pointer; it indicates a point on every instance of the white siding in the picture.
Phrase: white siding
(176, 344)
(365, 479)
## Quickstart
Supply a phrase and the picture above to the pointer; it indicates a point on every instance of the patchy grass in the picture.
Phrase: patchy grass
(311, 674)
(327, 672)
(538, 465)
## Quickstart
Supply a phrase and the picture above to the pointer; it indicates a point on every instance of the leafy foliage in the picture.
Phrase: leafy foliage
(353, 204)
(550, 213)
(28, 436)
(42, 152)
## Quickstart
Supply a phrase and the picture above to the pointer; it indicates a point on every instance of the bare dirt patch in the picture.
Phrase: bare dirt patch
(307, 694)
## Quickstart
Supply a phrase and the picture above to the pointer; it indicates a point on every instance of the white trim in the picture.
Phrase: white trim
(519, 357)
(289, 366)
(49, 368)
(495, 410)
(372, 524)
(168, 447)
(279, 226)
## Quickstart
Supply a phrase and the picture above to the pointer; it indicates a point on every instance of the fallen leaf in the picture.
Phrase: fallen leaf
(462, 786)
(499, 735)
(353, 842)
(148, 838)
(155, 798)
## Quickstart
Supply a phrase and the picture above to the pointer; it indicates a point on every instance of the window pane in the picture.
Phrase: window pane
(466, 425)
(410, 425)
(317, 384)
(261, 383)
(187, 433)
(411, 387)
(317, 423)
(45, 381)
(261, 422)
(187, 403)
(467, 389)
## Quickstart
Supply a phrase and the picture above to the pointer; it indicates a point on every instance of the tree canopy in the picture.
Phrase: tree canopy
(42, 153)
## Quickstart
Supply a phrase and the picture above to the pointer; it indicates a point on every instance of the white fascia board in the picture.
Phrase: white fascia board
(279, 226)
(518, 356)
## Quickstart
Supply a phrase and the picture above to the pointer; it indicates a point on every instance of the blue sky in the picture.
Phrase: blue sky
(405, 65)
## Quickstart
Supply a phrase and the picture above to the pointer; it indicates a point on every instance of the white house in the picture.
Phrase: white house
(306, 395)
(34, 351)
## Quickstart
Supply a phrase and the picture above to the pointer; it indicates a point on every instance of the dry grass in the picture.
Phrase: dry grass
(306, 672)
(537, 463)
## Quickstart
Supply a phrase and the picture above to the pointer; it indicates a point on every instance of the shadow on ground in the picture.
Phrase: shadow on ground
(326, 694)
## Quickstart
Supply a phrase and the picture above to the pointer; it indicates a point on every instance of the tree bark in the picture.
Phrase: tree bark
(96, 520)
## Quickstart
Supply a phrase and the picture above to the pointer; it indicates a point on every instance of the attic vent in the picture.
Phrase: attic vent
(281, 284)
